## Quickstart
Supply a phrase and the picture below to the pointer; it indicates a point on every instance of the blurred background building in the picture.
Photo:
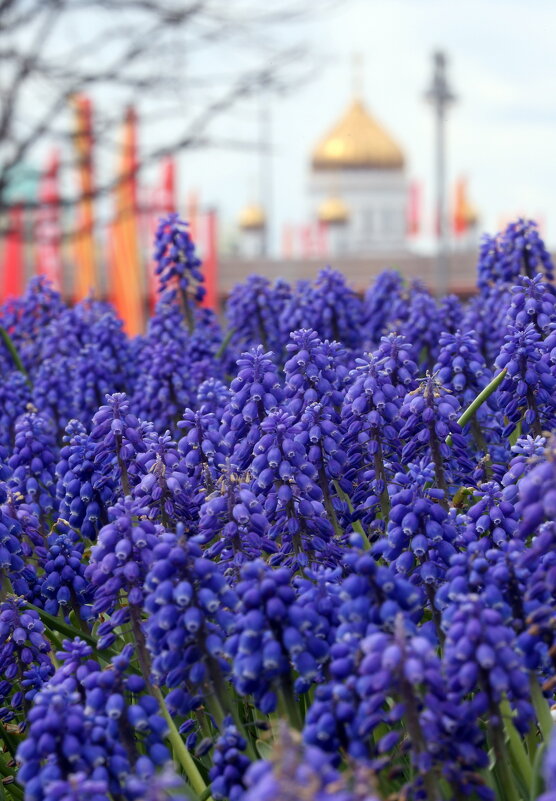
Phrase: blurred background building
(359, 185)
(113, 116)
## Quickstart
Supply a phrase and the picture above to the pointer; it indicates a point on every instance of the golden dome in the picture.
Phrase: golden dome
(357, 141)
(252, 218)
(470, 214)
(333, 211)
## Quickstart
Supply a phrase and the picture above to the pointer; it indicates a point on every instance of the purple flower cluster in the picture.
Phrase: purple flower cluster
(97, 724)
(189, 605)
(177, 265)
(308, 552)
(24, 661)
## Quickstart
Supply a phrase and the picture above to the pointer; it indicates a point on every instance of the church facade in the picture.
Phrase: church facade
(359, 192)
(359, 170)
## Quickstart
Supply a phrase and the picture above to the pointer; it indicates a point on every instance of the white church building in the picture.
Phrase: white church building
(358, 186)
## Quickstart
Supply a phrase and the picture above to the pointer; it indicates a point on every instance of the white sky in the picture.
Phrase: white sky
(501, 134)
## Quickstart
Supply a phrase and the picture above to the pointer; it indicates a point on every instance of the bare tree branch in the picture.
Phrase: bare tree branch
(143, 52)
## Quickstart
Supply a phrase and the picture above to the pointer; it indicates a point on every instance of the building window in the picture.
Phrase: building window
(368, 219)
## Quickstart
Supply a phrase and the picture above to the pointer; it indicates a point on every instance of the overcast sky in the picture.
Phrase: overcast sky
(501, 133)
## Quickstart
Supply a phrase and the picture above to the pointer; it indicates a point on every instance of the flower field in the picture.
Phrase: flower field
(307, 553)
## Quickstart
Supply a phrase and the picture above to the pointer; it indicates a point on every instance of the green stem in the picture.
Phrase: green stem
(532, 404)
(122, 465)
(5, 586)
(356, 524)
(439, 468)
(515, 744)
(9, 781)
(380, 473)
(141, 646)
(224, 705)
(262, 330)
(75, 607)
(501, 763)
(436, 616)
(215, 710)
(516, 433)
(288, 702)
(541, 708)
(489, 779)
(479, 439)
(7, 340)
(328, 505)
(533, 743)
(225, 342)
(188, 314)
(537, 766)
(479, 400)
(181, 754)
(8, 739)
(417, 738)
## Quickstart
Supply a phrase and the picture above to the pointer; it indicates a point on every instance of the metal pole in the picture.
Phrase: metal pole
(265, 170)
(440, 96)
(442, 265)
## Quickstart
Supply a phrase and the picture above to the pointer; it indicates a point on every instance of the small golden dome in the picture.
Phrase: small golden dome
(470, 214)
(357, 141)
(333, 211)
(252, 218)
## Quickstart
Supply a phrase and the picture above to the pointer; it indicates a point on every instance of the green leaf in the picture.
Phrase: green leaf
(13, 353)
(264, 748)
(536, 778)
(61, 626)
(475, 405)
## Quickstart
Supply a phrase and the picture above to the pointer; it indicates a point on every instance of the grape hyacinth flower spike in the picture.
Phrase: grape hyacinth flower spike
(177, 265)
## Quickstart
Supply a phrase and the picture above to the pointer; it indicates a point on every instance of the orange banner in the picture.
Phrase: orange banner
(85, 280)
(126, 286)
(465, 215)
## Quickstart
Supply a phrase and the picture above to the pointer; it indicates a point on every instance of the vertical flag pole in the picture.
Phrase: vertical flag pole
(85, 259)
(440, 96)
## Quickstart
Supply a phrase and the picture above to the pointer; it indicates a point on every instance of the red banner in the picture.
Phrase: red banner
(414, 209)
(210, 260)
(13, 264)
(288, 236)
(192, 215)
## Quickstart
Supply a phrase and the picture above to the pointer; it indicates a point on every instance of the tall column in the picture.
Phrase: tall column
(440, 96)
(265, 171)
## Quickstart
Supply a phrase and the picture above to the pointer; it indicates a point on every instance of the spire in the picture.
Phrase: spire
(441, 97)
(357, 76)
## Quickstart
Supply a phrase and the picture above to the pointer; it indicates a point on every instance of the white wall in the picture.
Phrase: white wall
(377, 203)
